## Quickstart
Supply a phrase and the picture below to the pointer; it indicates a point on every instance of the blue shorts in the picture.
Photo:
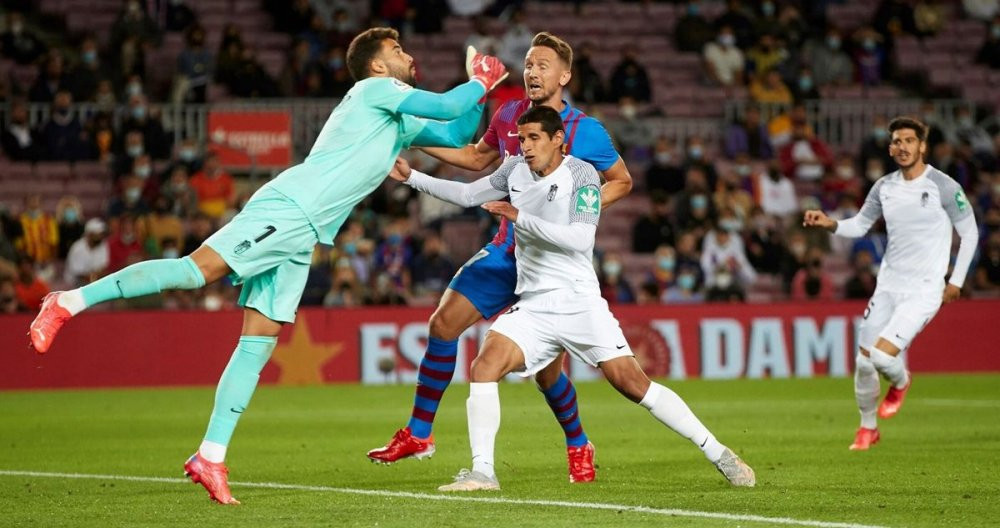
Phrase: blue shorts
(488, 280)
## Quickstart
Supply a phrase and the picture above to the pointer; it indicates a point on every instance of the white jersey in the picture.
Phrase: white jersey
(919, 215)
(556, 224)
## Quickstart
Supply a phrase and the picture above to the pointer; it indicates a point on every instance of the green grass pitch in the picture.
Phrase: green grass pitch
(937, 464)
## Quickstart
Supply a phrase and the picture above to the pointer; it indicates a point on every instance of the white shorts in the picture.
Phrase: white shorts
(897, 317)
(544, 326)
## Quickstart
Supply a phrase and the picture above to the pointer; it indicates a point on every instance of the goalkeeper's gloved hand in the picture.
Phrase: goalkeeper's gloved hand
(485, 69)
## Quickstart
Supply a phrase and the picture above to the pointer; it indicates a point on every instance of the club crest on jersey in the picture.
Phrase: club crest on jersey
(401, 86)
(588, 200)
(960, 200)
(923, 199)
(242, 247)
(552, 192)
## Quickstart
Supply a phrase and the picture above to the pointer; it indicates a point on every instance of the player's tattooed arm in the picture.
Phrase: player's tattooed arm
(617, 184)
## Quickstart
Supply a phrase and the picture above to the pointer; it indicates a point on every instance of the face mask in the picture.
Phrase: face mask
(663, 158)
(727, 40)
(742, 170)
(665, 263)
(171, 253)
(394, 239)
(685, 282)
(805, 83)
(187, 154)
(695, 152)
(139, 112)
(628, 112)
(693, 9)
(723, 280)
(89, 57)
(143, 171)
(134, 151)
(71, 216)
(336, 63)
(133, 89)
(767, 8)
(880, 134)
(699, 201)
(868, 44)
(612, 268)
(833, 42)
(132, 194)
(730, 224)
(845, 172)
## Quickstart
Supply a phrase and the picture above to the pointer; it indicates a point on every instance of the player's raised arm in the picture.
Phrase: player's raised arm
(485, 72)
(492, 187)
(855, 226)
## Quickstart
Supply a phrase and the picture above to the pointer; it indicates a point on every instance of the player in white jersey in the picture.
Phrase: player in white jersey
(920, 205)
(555, 203)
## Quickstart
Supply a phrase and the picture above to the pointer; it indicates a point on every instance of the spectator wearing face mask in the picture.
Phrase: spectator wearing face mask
(793, 258)
(804, 86)
(629, 78)
(40, 233)
(431, 269)
(869, 57)
(724, 61)
(764, 242)
(663, 174)
(69, 215)
(84, 78)
(812, 283)
(183, 199)
(806, 157)
(52, 80)
(697, 157)
(20, 142)
(164, 225)
(195, 66)
(831, 65)
(693, 30)
(684, 290)
(614, 287)
(861, 284)
(88, 256)
(876, 145)
(775, 193)
(748, 136)
(129, 200)
(770, 89)
(215, 188)
(20, 43)
(125, 244)
(62, 135)
(655, 228)
(156, 142)
(133, 146)
(664, 271)
(730, 194)
(724, 260)
(630, 132)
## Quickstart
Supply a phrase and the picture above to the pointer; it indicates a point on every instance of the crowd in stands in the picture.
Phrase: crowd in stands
(719, 218)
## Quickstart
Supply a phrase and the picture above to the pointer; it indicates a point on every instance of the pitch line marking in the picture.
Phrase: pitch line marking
(673, 512)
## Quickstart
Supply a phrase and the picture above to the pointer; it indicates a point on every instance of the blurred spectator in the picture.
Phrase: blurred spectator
(740, 19)
(384, 293)
(614, 286)
(179, 17)
(664, 269)
(250, 79)
(935, 130)
(183, 198)
(142, 168)
(129, 200)
(780, 127)
(133, 25)
(431, 268)
(293, 77)
(214, 188)
(647, 295)
(200, 229)
(69, 215)
(967, 131)
(187, 153)
(229, 59)
(20, 142)
(770, 89)
(102, 134)
(841, 181)
(684, 289)
(195, 67)
(776, 194)
(629, 78)
(955, 162)
(346, 289)
(794, 29)
(869, 56)
(876, 145)
(664, 173)
(765, 56)
(811, 282)
(697, 156)
(336, 79)
(693, 209)
(793, 258)
(723, 59)
(133, 146)
(516, 41)
(29, 288)
(105, 95)
(861, 284)
(984, 10)
(88, 256)
(654, 229)
(124, 244)
(692, 30)
(18, 42)
(84, 78)
(764, 242)
(895, 17)
(989, 53)
(749, 137)
(40, 233)
(730, 194)
(394, 255)
(52, 80)
(631, 132)
(164, 225)
(806, 157)
(8, 296)
(766, 21)
(156, 142)
(846, 208)
(830, 64)
(805, 86)
(930, 16)
(315, 37)
(586, 85)
(987, 274)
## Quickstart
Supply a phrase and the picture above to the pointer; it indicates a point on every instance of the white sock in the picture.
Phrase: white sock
(666, 406)
(72, 301)
(866, 390)
(212, 451)
(483, 408)
(890, 366)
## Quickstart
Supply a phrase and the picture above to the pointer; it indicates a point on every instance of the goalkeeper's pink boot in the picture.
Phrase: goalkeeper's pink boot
(47, 323)
(213, 476)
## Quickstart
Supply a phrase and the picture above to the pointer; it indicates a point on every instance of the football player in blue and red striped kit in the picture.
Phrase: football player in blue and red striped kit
(485, 284)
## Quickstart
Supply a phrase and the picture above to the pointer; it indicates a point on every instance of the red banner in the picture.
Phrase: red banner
(246, 139)
(384, 345)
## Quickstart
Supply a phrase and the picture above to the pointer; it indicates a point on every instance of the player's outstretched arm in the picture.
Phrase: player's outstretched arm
(469, 157)
(855, 226)
(492, 187)
(485, 72)
(617, 184)
(454, 133)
